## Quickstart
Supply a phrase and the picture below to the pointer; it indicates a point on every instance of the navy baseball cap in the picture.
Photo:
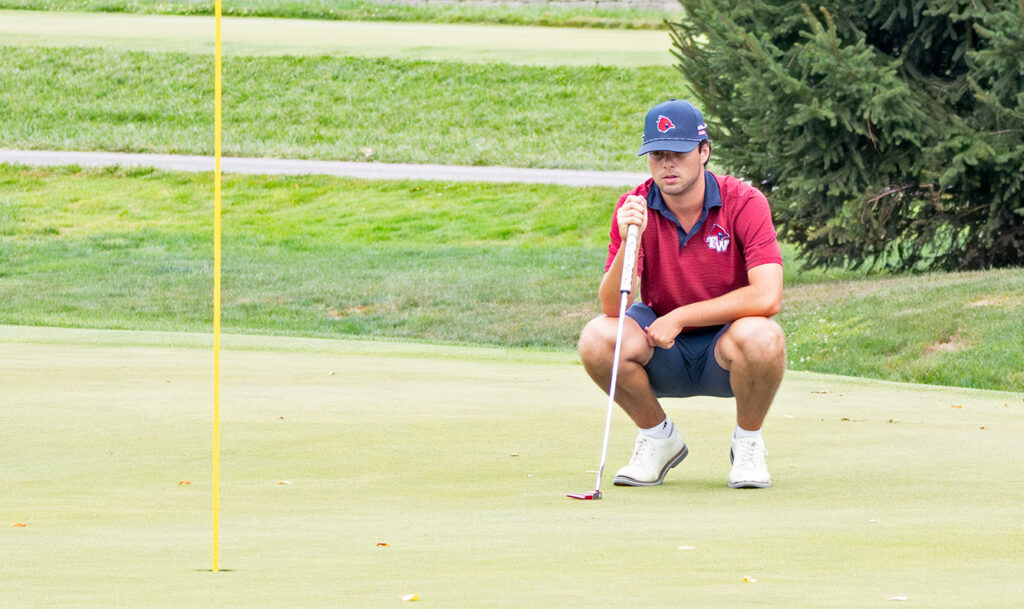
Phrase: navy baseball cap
(673, 125)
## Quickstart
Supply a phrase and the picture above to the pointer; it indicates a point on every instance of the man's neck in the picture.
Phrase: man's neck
(688, 206)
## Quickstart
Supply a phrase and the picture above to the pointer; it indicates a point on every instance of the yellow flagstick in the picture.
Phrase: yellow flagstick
(216, 284)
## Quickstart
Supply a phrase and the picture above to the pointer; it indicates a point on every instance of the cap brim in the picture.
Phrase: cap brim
(669, 145)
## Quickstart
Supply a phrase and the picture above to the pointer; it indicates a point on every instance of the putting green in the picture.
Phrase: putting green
(263, 36)
(458, 459)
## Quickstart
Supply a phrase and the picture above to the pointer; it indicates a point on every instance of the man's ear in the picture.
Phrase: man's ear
(705, 152)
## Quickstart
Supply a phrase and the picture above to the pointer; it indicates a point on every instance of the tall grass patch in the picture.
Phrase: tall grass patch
(960, 329)
(339, 108)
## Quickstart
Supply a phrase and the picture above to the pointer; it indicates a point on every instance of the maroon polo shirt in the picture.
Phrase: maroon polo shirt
(734, 234)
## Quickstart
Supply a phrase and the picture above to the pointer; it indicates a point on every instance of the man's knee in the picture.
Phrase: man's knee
(593, 342)
(755, 339)
(597, 341)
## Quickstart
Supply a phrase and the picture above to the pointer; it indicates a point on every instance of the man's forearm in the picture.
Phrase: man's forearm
(743, 302)
(761, 298)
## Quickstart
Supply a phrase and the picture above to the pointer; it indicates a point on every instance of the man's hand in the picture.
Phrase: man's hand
(663, 332)
(633, 211)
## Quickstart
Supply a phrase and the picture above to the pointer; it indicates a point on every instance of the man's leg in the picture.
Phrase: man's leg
(753, 350)
(633, 389)
(659, 446)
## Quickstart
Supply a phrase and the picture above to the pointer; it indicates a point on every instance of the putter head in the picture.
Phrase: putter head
(585, 496)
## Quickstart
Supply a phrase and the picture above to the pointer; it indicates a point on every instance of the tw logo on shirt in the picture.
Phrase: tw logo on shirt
(718, 239)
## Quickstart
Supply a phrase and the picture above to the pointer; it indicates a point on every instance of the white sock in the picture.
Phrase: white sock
(661, 431)
(744, 433)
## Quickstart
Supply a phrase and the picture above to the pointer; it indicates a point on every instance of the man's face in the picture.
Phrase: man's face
(677, 173)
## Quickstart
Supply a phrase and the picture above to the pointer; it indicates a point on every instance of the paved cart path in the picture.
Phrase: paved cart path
(370, 171)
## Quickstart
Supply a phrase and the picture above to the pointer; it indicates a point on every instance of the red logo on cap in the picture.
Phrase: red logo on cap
(664, 124)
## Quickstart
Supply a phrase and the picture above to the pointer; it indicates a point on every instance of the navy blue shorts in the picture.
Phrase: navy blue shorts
(688, 368)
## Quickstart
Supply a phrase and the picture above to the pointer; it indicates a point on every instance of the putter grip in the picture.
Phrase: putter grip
(629, 259)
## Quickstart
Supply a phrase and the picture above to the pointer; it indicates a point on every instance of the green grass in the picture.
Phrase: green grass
(510, 265)
(329, 107)
(480, 43)
(578, 14)
(100, 427)
(961, 329)
(459, 460)
(311, 256)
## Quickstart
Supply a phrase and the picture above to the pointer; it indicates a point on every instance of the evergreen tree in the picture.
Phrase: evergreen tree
(886, 133)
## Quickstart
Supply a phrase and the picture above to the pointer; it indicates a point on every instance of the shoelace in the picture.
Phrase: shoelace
(644, 450)
(749, 453)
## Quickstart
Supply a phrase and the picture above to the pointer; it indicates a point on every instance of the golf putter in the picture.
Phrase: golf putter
(625, 287)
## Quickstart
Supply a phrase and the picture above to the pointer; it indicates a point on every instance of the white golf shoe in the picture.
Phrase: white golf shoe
(651, 460)
(749, 469)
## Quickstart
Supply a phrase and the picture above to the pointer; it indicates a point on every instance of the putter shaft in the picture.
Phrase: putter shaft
(625, 287)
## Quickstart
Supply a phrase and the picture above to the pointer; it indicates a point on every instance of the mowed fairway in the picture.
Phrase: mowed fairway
(458, 459)
(262, 36)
